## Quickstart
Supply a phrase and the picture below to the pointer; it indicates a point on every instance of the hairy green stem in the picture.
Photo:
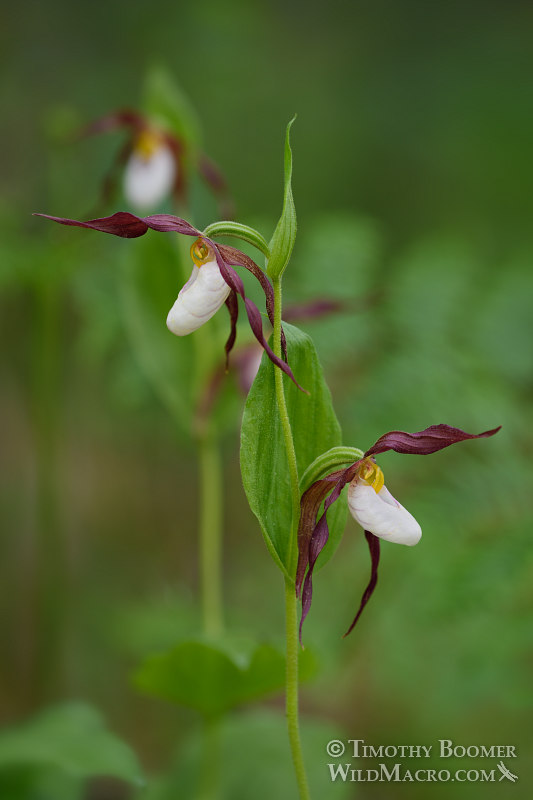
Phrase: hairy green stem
(211, 534)
(291, 613)
(210, 775)
(291, 696)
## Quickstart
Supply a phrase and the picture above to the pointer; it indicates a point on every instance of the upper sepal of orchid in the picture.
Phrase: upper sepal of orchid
(282, 242)
(143, 130)
(430, 440)
(124, 118)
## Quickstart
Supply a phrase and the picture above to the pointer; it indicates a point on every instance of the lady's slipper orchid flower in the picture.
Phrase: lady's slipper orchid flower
(205, 291)
(154, 163)
(150, 171)
(376, 510)
(203, 294)
(369, 502)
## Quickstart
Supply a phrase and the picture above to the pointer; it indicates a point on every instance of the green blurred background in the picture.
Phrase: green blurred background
(412, 182)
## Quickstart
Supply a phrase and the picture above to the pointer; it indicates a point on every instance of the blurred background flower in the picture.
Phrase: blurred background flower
(412, 183)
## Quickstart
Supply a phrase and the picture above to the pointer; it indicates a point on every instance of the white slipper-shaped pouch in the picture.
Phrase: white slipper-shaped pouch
(150, 172)
(381, 514)
(203, 294)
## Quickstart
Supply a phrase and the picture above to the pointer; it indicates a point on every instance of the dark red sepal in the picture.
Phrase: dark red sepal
(233, 308)
(235, 257)
(254, 315)
(312, 538)
(430, 440)
(373, 545)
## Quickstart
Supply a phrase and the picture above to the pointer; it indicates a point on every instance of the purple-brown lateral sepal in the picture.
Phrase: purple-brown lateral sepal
(236, 258)
(313, 535)
(430, 440)
(254, 315)
(233, 308)
(374, 547)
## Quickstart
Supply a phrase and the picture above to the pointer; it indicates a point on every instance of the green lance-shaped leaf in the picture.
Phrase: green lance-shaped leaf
(72, 739)
(284, 236)
(214, 678)
(264, 467)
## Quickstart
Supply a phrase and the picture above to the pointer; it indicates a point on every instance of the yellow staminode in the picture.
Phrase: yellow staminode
(147, 143)
(200, 252)
(370, 473)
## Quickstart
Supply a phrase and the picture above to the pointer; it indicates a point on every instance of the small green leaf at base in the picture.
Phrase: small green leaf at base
(214, 678)
(71, 739)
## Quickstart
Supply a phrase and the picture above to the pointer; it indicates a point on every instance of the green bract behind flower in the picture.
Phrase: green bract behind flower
(282, 241)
